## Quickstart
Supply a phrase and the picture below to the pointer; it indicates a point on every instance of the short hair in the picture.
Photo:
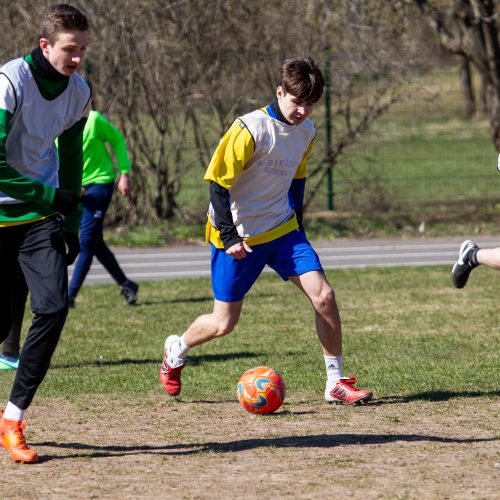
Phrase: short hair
(301, 77)
(62, 18)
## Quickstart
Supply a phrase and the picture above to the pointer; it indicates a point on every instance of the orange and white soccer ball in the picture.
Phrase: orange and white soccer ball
(261, 390)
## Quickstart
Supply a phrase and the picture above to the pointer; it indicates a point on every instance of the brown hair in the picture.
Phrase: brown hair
(62, 18)
(301, 77)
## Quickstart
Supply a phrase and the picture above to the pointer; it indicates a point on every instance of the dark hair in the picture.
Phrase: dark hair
(301, 77)
(62, 18)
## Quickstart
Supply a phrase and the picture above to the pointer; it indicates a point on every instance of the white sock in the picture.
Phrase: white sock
(179, 349)
(183, 348)
(333, 369)
(12, 412)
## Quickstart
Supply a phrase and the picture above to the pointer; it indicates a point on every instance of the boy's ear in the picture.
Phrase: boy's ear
(44, 43)
(280, 92)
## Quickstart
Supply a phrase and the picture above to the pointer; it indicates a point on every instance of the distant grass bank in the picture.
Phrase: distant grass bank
(457, 220)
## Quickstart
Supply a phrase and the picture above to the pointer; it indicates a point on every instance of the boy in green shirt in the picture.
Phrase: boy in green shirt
(98, 183)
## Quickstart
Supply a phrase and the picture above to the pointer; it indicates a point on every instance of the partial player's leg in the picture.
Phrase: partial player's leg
(42, 258)
(294, 258)
(9, 248)
(11, 347)
(489, 257)
(326, 312)
(128, 288)
(469, 257)
(467, 261)
(95, 202)
(339, 389)
(11, 429)
(207, 327)
(231, 280)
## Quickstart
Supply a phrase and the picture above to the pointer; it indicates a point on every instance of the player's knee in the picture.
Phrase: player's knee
(325, 298)
(224, 328)
(54, 305)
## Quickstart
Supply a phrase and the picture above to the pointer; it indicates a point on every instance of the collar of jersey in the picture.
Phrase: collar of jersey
(273, 110)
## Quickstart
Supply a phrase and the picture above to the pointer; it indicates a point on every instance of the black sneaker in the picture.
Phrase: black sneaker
(129, 291)
(464, 265)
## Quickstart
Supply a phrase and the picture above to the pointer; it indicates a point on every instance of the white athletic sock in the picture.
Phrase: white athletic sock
(179, 349)
(333, 370)
(183, 348)
(12, 412)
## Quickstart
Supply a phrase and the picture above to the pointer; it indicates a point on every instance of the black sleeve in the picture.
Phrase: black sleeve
(219, 198)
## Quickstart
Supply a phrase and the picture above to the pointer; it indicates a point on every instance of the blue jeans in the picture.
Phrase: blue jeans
(95, 203)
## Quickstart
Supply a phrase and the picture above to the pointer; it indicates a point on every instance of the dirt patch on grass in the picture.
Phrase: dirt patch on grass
(199, 449)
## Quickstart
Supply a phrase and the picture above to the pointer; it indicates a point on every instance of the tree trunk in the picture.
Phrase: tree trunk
(467, 88)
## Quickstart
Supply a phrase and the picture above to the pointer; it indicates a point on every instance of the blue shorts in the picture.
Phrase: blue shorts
(289, 255)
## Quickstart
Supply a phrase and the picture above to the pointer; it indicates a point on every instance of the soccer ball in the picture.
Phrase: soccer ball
(261, 390)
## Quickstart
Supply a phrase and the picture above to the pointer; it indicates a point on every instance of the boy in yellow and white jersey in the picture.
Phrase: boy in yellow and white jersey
(257, 178)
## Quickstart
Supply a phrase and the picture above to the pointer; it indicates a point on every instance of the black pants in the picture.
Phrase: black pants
(11, 346)
(38, 250)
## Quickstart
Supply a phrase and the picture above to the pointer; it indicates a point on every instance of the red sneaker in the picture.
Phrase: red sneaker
(12, 438)
(344, 391)
(170, 378)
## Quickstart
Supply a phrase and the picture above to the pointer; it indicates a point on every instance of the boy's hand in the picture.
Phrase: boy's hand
(125, 185)
(239, 250)
(65, 201)
(72, 246)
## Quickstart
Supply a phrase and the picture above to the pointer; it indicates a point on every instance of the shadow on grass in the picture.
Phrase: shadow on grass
(192, 361)
(429, 396)
(434, 396)
(192, 300)
(81, 450)
(282, 413)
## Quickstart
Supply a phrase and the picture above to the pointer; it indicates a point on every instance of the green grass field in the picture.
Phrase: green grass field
(407, 332)
(104, 427)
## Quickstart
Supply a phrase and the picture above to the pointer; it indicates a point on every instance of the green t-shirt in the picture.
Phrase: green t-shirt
(97, 161)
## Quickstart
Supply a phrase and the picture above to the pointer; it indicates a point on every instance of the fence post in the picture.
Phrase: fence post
(328, 131)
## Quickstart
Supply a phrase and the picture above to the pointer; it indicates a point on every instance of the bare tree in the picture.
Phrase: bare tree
(174, 74)
(467, 86)
(371, 55)
(470, 28)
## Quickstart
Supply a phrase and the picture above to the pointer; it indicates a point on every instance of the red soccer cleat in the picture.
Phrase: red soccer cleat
(170, 378)
(344, 391)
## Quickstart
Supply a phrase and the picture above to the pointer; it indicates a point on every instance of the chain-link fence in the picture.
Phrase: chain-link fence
(422, 152)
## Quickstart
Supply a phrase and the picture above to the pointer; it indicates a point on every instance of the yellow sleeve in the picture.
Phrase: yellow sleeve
(302, 168)
(233, 152)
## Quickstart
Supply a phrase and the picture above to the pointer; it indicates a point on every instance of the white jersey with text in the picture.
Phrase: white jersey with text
(259, 175)
(30, 145)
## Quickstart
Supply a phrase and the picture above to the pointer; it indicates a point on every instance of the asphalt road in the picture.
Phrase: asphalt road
(147, 264)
